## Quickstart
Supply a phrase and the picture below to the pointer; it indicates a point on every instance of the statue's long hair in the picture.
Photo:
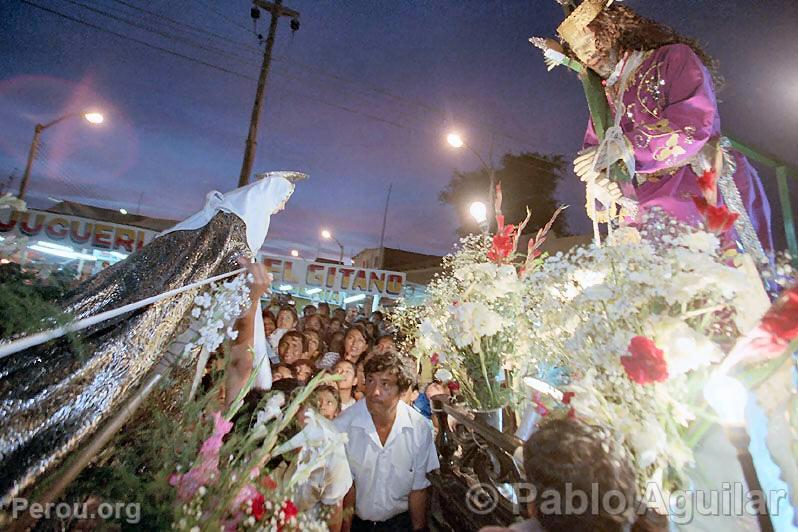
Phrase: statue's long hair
(619, 26)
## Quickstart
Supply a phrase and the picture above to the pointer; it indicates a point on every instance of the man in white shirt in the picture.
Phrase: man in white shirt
(390, 451)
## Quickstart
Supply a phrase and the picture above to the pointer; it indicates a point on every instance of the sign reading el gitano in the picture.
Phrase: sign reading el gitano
(306, 274)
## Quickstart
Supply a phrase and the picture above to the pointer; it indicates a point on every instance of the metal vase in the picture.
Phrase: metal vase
(493, 417)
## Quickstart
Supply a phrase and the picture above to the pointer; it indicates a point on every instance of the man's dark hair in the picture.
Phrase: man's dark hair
(394, 364)
(568, 454)
(293, 334)
(324, 305)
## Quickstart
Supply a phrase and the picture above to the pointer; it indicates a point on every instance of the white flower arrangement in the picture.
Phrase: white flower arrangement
(637, 324)
(215, 312)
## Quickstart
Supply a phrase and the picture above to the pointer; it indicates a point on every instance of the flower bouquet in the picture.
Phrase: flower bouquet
(471, 329)
(637, 325)
(228, 483)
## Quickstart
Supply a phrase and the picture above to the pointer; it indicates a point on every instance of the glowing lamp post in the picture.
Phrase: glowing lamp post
(92, 118)
(728, 397)
(479, 213)
(294, 253)
(327, 235)
(455, 140)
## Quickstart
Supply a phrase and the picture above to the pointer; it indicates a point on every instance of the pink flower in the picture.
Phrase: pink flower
(454, 386)
(435, 359)
(645, 363)
(567, 396)
(200, 475)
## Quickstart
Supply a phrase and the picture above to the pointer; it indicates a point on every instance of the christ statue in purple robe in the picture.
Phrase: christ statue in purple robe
(661, 91)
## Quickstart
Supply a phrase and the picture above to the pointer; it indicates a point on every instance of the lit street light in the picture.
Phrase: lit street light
(327, 235)
(123, 211)
(294, 253)
(92, 117)
(455, 140)
(479, 213)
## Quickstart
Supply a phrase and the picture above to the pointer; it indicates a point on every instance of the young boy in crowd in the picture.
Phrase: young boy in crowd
(304, 370)
(346, 385)
(291, 347)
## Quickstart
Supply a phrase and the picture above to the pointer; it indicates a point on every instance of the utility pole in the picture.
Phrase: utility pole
(382, 234)
(277, 10)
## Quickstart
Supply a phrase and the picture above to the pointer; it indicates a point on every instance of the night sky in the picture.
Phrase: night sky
(360, 97)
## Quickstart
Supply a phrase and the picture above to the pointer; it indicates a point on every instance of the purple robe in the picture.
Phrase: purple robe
(671, 114)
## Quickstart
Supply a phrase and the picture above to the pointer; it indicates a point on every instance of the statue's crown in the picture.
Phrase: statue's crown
(579, 18)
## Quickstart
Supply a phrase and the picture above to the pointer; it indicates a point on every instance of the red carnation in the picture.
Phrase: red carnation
(257, 506)
(290, 510)
(454, 386)
(567, 396)
(645, 363)
(719, 219)
(707, 183)
(435, 358)
(781, 320)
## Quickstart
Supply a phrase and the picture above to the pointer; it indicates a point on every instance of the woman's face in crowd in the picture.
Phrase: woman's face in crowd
(292, 350)
(269, 326)
(347, 373)
(313, 345)
(334, 326)
(313, 323)
(328, 404)
(285, 320)
(354, 345)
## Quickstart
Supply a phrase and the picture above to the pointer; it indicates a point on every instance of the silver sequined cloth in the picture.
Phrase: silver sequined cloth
(52, 397)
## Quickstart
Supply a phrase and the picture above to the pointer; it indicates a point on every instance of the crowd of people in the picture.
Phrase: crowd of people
(377, 476)
(377, 479)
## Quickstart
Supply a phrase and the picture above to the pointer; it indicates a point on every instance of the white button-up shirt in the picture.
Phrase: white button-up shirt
(385, 475)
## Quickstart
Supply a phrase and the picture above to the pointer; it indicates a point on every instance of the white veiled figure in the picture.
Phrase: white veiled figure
(254, 204)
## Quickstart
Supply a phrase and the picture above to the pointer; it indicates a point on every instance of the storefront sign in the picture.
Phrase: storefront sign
(74, 230)
(349, 279)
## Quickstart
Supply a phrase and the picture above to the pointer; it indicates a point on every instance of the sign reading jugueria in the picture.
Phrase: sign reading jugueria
(307, 274)
(75, 230)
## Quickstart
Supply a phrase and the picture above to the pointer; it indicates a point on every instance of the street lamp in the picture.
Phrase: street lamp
(294, 253)
(728, 397)
(92, 117)
(455, 140)
(327, 235)
(479, 213)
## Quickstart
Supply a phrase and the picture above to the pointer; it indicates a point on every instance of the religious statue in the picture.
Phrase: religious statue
(53, 396)
(664, 127)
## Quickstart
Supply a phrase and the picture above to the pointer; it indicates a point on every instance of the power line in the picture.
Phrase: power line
(196, 29)
(214, 66)
(171, 36)
(222, 15)
(138, 41)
